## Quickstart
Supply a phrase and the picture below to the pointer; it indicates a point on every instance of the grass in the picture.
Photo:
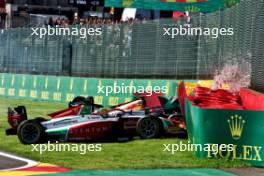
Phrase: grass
(136, 154)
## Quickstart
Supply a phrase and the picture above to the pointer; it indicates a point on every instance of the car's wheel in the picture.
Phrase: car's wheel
(148, 128)
(31, 132)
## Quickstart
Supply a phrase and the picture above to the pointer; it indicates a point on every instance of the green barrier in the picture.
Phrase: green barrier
(243, 128)
(188, 5)
(146, 172)
(64, 89)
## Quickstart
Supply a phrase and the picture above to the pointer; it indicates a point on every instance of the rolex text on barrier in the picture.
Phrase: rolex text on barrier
(242, 128)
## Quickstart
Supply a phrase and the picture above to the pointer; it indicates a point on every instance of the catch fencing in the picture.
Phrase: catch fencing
(141, 50)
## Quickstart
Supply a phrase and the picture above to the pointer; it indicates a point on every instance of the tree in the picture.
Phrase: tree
(230, 3)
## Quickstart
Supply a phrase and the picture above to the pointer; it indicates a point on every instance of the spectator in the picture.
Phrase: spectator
(93, 20)
(3, 15)
(51, 22)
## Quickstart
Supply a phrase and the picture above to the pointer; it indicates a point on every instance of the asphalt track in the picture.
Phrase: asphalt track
(11, 162)
(7, 163)
(246, 171)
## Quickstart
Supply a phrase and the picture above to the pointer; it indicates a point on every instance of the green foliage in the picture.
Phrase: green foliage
(230, 3)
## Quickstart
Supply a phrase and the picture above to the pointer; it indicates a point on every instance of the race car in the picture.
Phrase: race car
(146, 116)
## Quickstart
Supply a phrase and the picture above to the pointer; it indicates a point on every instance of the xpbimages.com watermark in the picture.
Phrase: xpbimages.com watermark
(212, 148)
(57, 147)
(128, 89)
(187, 30)
(83, 32)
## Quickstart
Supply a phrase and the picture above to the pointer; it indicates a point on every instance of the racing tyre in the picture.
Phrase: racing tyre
(31, 132)
(148, 128)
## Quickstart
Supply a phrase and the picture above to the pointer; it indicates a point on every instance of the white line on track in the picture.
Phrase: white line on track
(30, 163)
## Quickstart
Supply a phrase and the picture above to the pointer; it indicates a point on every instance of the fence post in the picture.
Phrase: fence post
(67, 57)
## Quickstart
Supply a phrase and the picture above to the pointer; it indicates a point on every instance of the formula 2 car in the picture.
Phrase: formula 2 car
(145, 116)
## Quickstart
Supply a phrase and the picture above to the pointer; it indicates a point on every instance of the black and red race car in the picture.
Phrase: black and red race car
(146, 116)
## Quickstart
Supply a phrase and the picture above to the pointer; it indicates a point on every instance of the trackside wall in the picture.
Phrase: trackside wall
(64, 89)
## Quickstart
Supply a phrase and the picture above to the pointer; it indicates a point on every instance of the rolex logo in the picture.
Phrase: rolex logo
(236, 124)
